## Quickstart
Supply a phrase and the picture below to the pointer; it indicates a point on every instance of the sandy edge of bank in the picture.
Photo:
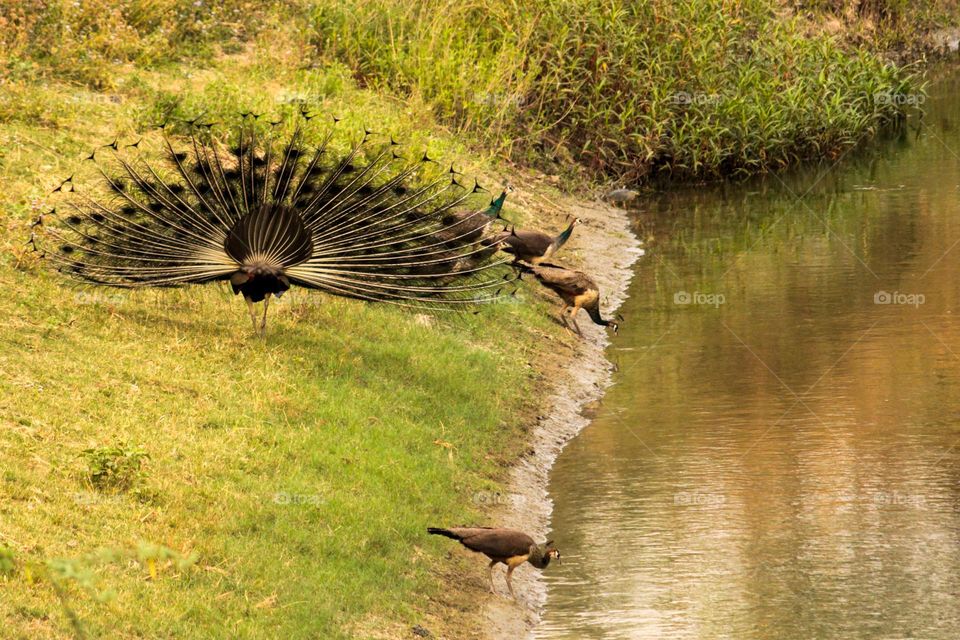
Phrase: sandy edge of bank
(606, 248)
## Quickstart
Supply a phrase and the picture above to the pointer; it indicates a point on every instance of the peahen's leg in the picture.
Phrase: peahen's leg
(563, 318)
(510, 569)
(573, 319)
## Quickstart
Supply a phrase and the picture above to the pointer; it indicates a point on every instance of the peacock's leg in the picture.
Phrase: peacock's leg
(263, 323)
(253, 313)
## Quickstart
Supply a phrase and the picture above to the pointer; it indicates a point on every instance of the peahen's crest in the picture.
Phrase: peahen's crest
(265, 215)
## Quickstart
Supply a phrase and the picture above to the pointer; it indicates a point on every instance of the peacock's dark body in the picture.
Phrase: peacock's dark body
(364, 224)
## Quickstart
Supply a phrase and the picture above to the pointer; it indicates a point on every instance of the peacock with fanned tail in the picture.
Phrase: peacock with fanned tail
(365, 224)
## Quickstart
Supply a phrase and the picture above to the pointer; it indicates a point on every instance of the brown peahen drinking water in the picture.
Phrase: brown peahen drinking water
(503, 546)
(265, 216)
(576, 289)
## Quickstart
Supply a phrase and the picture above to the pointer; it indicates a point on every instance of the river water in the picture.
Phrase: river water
(780, 454)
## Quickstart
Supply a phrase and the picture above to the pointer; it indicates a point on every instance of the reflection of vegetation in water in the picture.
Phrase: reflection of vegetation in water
(714, 224)
(813, 250)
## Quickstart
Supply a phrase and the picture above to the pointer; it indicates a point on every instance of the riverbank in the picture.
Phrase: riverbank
(571, 380)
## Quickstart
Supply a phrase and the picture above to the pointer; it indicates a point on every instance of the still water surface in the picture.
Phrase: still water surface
(780, 456)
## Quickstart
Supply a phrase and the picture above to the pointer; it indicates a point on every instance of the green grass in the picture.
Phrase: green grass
(174, 477)
(301, 471)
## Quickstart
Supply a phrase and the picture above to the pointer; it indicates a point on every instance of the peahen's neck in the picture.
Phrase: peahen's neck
(538, 556)
(561, 239)
(496, 205)
(594, 312)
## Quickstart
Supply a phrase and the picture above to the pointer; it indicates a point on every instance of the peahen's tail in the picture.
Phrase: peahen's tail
(365, 223)
(443, 532)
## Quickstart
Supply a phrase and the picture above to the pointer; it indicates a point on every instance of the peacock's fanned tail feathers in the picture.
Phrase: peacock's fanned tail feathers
(365, 224)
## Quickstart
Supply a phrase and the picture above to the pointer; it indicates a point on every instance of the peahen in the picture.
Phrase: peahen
(576, 289)
(534, 247)
(502, 546)
(265, 216)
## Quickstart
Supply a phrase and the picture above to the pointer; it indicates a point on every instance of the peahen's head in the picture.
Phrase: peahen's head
(615, 324)
(542, 554)
(553, 554)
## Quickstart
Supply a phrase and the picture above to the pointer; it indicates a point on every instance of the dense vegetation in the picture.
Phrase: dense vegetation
(692, 89)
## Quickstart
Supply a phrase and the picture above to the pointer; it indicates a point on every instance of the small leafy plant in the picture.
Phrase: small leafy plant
(114, 468)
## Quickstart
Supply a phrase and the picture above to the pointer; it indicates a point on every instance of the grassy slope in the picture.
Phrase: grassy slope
(301, 470)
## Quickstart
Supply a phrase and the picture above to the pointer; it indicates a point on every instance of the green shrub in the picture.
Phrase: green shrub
(634, 88)
(114, 468)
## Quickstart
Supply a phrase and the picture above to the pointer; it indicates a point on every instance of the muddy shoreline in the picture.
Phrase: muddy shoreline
(606, 248)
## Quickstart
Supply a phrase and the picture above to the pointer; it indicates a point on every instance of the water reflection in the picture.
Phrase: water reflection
(779, 458)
